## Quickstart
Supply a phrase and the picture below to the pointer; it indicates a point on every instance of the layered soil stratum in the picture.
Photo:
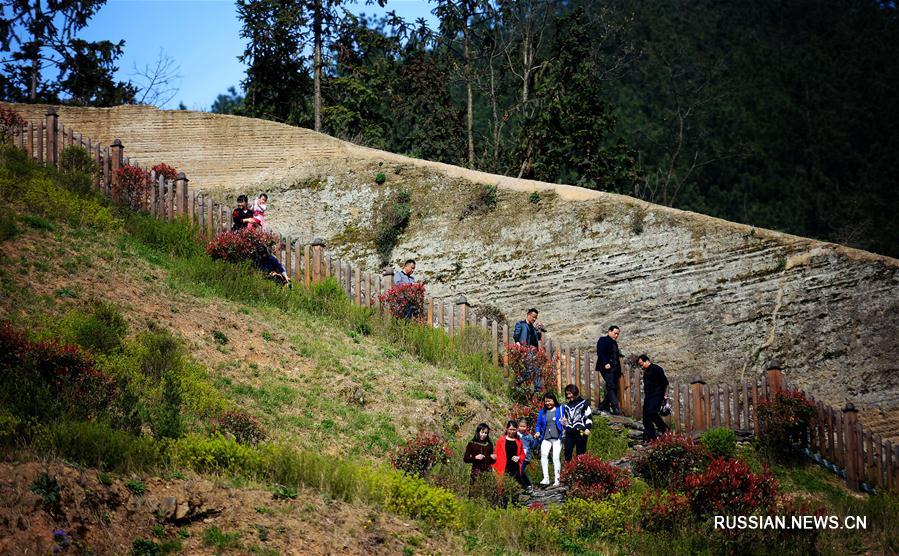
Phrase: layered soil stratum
(702, 295)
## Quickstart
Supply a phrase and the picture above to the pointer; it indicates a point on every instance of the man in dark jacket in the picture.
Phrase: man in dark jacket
(526, 333)
(608, 364)
(655, 386)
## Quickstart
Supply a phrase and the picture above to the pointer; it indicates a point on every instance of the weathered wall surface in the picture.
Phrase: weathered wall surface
(700, 294)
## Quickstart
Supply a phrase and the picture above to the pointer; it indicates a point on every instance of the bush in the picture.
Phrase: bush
(380, 178)
(243, 428)
(405, 301)
(420, 454)
(729, 487)
(532, 370)
(393, 217)
(591, 478)
(133, 187)
(166, 171)
(45, 380)
(669, 458)
(664, 511)
(8, 227)
(608, 520)
(721, 443)
(10, 123)
(100, 330)
(78, 170)
(215, 454)
(178, 238)
(98, 445)
(240, 245)
(534, 198)
(484, 201)
(784, 421)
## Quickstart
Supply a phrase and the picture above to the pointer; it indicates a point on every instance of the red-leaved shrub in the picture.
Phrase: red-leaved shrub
(10, 122)
(59, 378)
(405, 301)
(526, 411)
(532, 370)
(163, 169)
(244, 428)
(133, 186)
(239, 245)
(591, 478)
(664, 511)
(729, 487)
(669, 458)
(420, 454)
(784, 420)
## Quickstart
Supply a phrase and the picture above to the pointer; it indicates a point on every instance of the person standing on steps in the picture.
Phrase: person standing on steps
(655, 385)
(510, 456)
(549, 431)
(528, 331)
(479, 452)
(404, 276)
(608, 364)
(241, 216)
(577, 419)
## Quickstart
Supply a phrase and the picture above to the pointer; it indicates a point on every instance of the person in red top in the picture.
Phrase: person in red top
(510, 456)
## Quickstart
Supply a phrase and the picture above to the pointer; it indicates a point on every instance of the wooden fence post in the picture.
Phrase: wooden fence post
(318, 245)
(775, 379)
(181, 188)
(850, 419)
(52, 136)
(698, 410)
(116, 151)
(462, 303)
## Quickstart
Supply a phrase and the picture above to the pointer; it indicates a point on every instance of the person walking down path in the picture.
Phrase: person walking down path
(549, 432)
(655, 385)
(577, 418)
(479, 452)
(241, 216)
(528, 442)
(510, 456)
(608, 364)
(404, 276)
(528, 331)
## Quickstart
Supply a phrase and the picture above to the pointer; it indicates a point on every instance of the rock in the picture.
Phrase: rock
(182, 510)
(167, 507)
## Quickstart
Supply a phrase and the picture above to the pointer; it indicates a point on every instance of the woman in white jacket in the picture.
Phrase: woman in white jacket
(549, 430)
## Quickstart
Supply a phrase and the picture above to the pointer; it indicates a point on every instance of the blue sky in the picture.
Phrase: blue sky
(201, 36)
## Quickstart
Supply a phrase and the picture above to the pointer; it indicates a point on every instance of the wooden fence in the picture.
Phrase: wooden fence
(836, 438)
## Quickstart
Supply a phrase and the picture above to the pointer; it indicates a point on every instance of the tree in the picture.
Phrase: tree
(159, 82)
(34, 37)
(231, 103)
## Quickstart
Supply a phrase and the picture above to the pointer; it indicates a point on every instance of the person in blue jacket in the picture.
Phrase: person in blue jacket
(549, 430)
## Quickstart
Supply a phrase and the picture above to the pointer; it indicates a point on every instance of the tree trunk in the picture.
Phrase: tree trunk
(36, 62)
(470, 101)
(317, 70)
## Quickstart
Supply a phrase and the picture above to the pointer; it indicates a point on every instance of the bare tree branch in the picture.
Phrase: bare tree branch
(159, 82)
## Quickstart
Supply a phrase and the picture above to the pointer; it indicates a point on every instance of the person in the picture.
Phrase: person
(577, 420)
(509, 453)
(549, 431)
(529, 331)
(655, 386)
(241, 216)
(260, 205)
(528, 442)
(404, 276)
(269, 264)
(608, 364)
(479, 452)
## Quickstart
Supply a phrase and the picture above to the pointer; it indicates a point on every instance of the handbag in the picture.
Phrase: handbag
(665, 410)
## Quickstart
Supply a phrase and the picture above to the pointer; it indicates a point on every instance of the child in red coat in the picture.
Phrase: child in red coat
(510, 456)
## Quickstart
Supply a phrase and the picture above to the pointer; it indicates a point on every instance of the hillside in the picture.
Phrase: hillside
(703, 295)
(127, 349)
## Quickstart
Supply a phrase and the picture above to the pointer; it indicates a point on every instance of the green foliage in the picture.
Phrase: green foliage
(606, 520)
(100, 329)
(215, 537)
(43, 191)
(393, 217)
(98, 445)
(8, 227)
(282, 492)
(145, 547)
(47, 487)
(78, 170)
(720, 442)
(136, 487)
(604, 442)
(534, 198)
(215, 454)
(177, 238)
(37, 222)
(484, 201)
(380, 178)
(219, 337)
